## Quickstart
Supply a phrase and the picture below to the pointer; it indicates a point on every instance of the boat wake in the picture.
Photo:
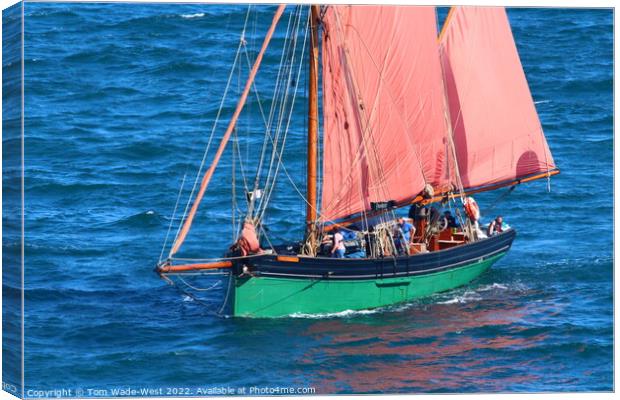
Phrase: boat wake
(467, 297)
(494, 286)
(340, 314)
(472, 295)
(457, 296)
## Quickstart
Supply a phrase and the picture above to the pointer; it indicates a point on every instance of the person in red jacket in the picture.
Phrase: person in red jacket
(495, 227)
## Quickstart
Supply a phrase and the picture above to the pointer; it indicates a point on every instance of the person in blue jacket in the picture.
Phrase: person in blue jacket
(406, 231)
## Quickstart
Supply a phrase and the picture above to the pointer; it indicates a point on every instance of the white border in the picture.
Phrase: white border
(513, 3)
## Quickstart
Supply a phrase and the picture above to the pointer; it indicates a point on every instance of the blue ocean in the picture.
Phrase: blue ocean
(120, 100)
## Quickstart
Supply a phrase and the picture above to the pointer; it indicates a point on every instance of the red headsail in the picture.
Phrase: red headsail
(497, 134)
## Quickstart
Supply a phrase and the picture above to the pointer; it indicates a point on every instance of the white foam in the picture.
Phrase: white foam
(340, 314)
(493, 286)
(462, 299)
(451, 301)
(197, 15)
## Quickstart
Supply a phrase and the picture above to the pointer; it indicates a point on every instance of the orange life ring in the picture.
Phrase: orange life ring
(471, 208)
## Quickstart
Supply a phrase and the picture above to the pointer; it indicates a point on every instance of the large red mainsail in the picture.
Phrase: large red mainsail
(497, 133)
(385, 129)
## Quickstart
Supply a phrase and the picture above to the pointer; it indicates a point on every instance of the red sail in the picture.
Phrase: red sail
(497, 134)
(385, 128)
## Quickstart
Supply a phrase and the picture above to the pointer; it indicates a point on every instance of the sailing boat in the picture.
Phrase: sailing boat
(410, 119)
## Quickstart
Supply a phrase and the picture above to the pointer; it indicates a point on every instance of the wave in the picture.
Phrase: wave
(583, 349)
(103, 55)
(562, 262)
(143, 150)
(46, 14)
(82, 294)
(584, 32)
(190, 16)
(177, 67)
(50, 250)
(151, 23)
(68, 189)
(603, 83)
(164, 21)
(146, 218)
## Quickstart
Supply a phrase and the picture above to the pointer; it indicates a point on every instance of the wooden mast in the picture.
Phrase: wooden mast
(313, 120)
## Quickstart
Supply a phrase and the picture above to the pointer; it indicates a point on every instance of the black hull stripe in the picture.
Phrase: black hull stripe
(330, 268)
(392, 275)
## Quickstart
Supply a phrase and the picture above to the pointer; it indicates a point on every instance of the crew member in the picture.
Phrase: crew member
(338, 248)
(406, 233)
(452, 223)
(495, 227)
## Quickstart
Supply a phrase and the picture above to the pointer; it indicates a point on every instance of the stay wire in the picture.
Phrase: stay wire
(215, 122)
(174, 211)
(269, 120)
(283, 105)
(290, 113)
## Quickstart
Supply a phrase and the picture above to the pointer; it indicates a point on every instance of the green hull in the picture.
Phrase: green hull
(277, 297)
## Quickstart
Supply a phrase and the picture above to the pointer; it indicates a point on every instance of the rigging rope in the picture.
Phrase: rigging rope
(282, 108)
(500, 198)
(198, 289)
(214, 127)
(286, 129)
(270, 119)
(366, 140)
(174, 211)
(221, 106)
(268, 123)
(209, 173)
(230, 282)
(194, 298)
